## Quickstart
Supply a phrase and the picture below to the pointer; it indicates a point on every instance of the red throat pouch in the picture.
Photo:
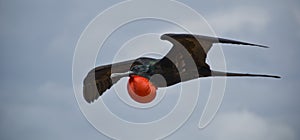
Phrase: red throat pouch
(141, 89)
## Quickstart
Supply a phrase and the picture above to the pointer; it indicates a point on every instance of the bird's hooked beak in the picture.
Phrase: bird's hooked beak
(120, 75)
(117, 76)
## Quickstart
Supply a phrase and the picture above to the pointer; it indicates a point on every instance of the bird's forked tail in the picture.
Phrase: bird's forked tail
(218, 73)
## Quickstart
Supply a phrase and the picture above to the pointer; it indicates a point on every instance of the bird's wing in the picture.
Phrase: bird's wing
(101, 78)
(190, 52)
(195, 48)
(197, 45)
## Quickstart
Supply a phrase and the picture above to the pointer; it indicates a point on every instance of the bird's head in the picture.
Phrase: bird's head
(140, 69)
(144, 67)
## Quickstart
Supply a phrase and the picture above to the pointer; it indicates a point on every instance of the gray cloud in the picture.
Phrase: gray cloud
(238, 18)
(247, 125)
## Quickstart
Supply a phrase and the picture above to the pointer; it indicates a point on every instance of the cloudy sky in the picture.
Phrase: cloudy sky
(38, 41)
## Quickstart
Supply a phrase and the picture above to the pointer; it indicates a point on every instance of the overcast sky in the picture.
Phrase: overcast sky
(38, 40)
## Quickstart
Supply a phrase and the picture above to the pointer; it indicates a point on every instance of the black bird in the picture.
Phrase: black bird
(185, 61)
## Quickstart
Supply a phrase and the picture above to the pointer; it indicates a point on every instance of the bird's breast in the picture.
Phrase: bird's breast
(141, 89)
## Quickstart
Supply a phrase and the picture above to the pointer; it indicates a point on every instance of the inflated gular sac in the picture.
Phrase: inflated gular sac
(141, 89)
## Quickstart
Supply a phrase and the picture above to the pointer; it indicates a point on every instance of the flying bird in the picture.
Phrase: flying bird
(185, 61)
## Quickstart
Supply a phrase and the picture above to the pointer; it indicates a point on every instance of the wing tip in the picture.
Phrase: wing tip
(90, 90)
(276, 76)
(168, 36)
(261, 46)
(90, 93)
(230, 41)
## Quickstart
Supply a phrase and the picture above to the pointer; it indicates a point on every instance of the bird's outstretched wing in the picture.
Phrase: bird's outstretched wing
(188, 55)
(100, 79)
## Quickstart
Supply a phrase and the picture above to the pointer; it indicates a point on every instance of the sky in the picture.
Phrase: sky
(38, 41)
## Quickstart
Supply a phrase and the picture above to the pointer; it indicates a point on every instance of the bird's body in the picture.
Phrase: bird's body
(185, 61)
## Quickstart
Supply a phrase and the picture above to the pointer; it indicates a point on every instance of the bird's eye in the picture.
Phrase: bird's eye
(135, 64)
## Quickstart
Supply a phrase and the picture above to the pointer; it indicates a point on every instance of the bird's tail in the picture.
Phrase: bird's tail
(218, 73)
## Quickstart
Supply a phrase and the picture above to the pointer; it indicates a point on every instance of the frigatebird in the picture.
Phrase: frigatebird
(185, 61)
